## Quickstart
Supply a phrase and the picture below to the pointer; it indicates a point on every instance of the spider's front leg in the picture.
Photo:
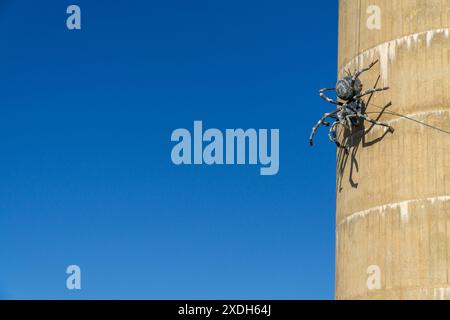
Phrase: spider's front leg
(324, 97)
(359, 96)
(321, 122)
(357, 74)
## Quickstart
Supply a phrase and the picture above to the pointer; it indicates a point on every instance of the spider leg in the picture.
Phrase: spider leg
(363, 116)
(350, 127)
(370, 92)
(357, 74)
(332, 132)
(333, 137)
(324, 97)
(321, 122)
(327, 124)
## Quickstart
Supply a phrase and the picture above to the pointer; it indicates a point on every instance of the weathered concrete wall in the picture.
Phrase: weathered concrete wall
(393, 190)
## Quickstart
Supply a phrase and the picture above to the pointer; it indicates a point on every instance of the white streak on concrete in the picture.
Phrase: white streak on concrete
(387, 51)
(430, 36)
(440, 199)
(404, 211)
(402, 206)
(441, 293)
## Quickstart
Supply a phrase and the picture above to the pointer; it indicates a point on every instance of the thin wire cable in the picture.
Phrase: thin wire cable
(409, 118)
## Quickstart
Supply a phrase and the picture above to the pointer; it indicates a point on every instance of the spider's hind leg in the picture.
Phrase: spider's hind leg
(332, 136)
(383, 124)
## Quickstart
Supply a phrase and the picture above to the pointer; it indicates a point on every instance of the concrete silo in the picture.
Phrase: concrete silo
(393, 190)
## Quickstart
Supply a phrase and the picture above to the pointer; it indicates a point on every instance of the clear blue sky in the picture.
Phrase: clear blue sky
(86, 175)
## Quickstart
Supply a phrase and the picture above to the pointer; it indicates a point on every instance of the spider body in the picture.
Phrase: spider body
(350, 110)
(346, 88)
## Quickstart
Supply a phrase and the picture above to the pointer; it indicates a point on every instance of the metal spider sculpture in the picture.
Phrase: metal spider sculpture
(350, 111)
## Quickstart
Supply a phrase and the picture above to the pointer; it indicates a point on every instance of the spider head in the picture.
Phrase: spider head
(347, 88)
